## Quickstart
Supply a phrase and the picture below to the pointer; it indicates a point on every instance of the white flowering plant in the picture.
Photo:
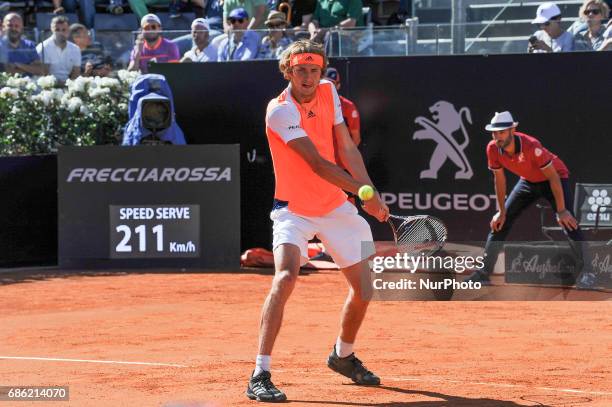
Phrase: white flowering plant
(36, 117)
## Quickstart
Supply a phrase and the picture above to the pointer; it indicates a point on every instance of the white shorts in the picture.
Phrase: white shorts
(346, 235)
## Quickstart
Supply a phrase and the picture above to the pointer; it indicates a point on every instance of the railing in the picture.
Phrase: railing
(489, 37)
(489, 23)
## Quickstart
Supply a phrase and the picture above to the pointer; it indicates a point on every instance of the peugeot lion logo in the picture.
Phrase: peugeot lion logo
(446, 121)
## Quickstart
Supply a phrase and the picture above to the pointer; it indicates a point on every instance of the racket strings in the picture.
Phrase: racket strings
(420, 235)
(413, 232)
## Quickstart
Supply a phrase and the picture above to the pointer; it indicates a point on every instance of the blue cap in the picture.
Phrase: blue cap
(332, 73)
(238, 13)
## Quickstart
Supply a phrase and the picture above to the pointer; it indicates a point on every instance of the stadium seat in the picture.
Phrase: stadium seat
(123, 22)
(384, 8)
(184, 43)
(503, 11)
(5, 5)
(501, 27)
(43, 20)
(103, 6)
(181, 23)
(118, 44)
(43, 4)
(437, 15)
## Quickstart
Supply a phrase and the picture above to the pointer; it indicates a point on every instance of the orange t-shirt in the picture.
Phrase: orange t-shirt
(286, 119)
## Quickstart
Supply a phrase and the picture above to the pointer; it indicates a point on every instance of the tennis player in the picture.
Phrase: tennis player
(301, 125)
(543, 175)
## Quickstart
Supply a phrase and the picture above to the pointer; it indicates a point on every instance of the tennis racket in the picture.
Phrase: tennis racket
(418, 235)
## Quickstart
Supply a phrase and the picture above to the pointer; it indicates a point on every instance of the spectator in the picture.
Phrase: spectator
(20, 54)
(255, 8)
(202, 51)
(349, 110)
(214, 14)
(240, 44)
(151, 46)
(551, 37)
(87, 7)
(3, 52)
(93, 60)
(607, 44)
(334, 13)
(273, 44)
(592, 12)
(301, 13)
(176, 6)
(62, 58)
(139, 7)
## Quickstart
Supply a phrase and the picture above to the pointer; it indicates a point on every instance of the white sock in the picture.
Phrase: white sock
(262, 362)
(343, 349)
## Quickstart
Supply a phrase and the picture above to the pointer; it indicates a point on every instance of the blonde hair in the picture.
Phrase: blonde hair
(300, 47)
(605, 10)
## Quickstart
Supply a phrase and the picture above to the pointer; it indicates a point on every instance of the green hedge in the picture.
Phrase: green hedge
(36, 116)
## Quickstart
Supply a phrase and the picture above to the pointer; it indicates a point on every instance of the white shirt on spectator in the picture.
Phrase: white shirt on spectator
(208, 54)
(563, 43)
(60, 61)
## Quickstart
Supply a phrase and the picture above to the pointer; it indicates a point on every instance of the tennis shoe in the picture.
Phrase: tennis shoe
(261, 388)
(352, 368)
(586, 281)
(479, 277)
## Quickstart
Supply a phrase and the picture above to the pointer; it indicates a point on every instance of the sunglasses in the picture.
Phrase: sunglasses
(552, 20)
(277, 25)
(237, 20)
(151, 27)
(593, 11)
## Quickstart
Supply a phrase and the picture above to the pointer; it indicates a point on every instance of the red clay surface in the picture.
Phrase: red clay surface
(428, 354)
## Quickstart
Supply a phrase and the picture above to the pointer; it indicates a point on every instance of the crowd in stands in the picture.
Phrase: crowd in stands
(238, 30)
(588, 33)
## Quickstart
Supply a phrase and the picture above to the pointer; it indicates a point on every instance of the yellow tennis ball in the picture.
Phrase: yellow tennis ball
(366, 193)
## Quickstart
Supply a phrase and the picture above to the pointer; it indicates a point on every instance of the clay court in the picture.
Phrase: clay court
(168, 339)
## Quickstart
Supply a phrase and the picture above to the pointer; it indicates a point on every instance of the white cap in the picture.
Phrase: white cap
(150, 18)
(501, 121)
(200, 22)
(545, 12)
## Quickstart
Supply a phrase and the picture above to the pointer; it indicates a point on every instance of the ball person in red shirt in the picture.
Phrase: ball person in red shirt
(543, 175)
(349, 110)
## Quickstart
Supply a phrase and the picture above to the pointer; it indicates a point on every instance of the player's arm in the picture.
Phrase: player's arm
(327, 170)
(350, 155)
(353, 162)
(337, 176)
(500, 192)
(346, 148)
(564, 217)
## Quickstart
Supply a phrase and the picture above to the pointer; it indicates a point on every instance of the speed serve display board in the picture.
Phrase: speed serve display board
(149, 206)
